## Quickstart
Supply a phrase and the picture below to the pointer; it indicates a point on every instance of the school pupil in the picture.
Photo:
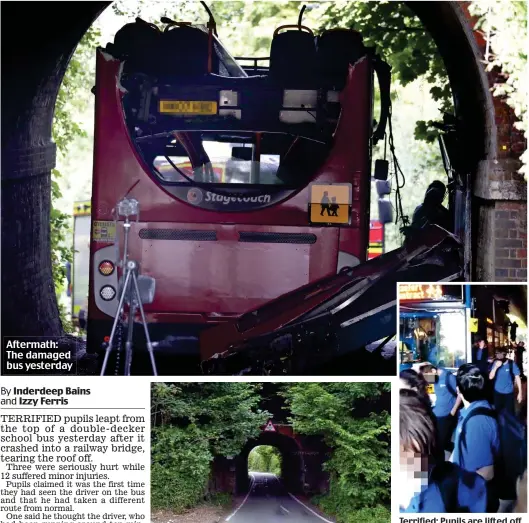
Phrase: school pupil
(427, 483)
(505, 374)
(477, 440)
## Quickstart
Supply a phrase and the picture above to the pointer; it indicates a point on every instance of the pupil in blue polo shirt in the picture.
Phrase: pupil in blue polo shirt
(445, 389)
(504, 373)
(426, 483)
(477, 442)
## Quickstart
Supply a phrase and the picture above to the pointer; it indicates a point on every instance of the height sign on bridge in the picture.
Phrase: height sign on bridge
(269, 427)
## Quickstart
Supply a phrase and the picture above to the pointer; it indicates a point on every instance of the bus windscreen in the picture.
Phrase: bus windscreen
(242, 158)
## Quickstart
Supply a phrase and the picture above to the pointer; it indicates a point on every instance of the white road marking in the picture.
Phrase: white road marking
(309, 509)
(287, 511)
(244, 500)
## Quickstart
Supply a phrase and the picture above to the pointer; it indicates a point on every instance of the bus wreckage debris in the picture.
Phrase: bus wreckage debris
(355, 315)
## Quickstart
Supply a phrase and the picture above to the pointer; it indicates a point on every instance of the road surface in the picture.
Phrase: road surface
(269, 502)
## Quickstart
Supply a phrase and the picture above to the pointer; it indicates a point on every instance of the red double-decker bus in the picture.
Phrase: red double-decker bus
(249, 186)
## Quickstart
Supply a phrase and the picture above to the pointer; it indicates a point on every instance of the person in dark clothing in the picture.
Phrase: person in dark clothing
(480, 356)
(431, 211)
(518, 356)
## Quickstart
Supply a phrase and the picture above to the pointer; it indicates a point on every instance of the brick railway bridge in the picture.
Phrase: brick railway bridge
(34, 64)
(302, 457)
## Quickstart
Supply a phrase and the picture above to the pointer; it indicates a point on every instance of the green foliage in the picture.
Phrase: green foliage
(504, 26)
(249, 26)
(227, 413)
(399, 36)
(265, 458)
(220, 499)
(180, 463)
(377, 514)
(74, 92)
(349, 417)
(420, 161)
(60, 254)
(193, 422)
(71, 99)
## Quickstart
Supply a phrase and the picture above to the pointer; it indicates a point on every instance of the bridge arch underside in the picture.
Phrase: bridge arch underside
(292, 469)
(499, 204)
(30, 82)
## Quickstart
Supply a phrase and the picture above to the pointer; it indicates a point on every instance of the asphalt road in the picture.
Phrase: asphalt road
(269, 502)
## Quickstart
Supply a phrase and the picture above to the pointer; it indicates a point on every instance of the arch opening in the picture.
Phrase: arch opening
(265, 458)
(289, 460)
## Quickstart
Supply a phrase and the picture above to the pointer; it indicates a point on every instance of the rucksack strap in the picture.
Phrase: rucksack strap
(483, 411)
(447, 480)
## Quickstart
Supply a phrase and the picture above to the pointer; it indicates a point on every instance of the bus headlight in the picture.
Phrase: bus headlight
(107, 292)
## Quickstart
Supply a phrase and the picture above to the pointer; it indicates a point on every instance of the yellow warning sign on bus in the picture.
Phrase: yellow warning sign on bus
(104, 231)
(330, 203)
(474, 324)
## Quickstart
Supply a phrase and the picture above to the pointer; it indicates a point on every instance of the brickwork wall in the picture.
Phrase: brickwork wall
(510, 241)
(504, 218)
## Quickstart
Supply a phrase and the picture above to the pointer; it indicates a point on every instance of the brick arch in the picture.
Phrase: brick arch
(490, 141)
(33, 69)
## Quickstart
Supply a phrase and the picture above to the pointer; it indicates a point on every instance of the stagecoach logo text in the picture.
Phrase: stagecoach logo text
(211, 197)
(195, 197)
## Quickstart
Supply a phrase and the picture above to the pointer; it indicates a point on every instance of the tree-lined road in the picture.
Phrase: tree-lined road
(269, 502)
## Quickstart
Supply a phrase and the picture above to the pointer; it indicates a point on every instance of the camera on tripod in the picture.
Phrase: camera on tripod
(135, 290)
(129, 207)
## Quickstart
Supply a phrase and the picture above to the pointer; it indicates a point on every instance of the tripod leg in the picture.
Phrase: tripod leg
(128, 343)
(115, 324)
(144, 321)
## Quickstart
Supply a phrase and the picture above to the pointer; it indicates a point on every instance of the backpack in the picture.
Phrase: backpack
(510, 462)
(448, 477)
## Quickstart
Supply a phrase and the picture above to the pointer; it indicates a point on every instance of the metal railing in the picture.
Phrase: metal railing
(254, 68)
